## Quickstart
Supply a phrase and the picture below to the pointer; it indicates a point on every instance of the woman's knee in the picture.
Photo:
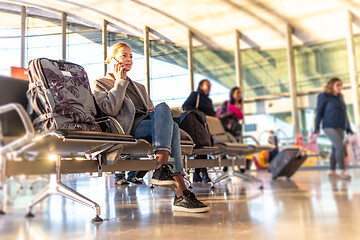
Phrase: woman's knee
(163, 107)
(176, 127)
(163, 111)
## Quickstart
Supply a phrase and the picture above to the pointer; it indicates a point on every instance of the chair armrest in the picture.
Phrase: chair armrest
(29, 129)
(227, 134)
(185, 136)
(251, 137)
(112, 122)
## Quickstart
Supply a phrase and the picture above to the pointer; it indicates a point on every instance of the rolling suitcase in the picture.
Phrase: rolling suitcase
(287, 162)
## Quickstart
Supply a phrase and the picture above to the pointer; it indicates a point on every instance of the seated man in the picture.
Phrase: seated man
(120, 97)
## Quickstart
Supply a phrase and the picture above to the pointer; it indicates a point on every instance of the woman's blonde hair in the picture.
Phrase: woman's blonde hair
(329, 86)
(114, 50)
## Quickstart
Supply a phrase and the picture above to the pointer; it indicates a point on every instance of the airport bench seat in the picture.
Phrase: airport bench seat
(25, 152)
(63, 145)
(225, 146)
(234, 150)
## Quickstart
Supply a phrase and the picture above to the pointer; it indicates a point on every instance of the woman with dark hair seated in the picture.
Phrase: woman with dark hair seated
(231, 113)
(200, 100)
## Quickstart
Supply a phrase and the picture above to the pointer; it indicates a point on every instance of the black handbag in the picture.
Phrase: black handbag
(194, 123)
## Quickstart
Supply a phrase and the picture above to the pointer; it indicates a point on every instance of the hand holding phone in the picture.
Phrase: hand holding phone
(119, 70)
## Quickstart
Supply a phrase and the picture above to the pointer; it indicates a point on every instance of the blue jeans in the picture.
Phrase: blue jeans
(336, 137)
(164, 132)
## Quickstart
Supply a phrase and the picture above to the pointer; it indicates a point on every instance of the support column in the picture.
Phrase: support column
(63, 34)
(23, 27)
(147, 58)
(353, 68)
(238, 63)
(190, 61)
(238, 70)
(238, 66)
(292, 79)
(105, 44)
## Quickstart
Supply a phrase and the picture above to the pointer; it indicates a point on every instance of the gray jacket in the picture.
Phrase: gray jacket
(110, 95)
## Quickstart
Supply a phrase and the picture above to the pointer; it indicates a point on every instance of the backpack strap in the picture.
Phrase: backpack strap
(197, 101)
(33, 85)
(43, 117)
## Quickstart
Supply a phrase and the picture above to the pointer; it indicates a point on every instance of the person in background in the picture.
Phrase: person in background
(273, 140)
(199, 100)
(331, 112)
(128, 102)
(231, 113)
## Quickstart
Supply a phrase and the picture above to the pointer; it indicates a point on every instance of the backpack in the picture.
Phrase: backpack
(218, 112)
(59, 93)
(194, 123)
(220, 109)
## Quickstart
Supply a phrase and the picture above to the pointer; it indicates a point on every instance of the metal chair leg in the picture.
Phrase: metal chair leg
(248, 178)
(37, 180)
(187, 179)
(233, 173)
(220, 178)
(56, 187)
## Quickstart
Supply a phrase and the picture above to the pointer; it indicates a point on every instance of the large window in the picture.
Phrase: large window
(265, 73)
(316, 64)
(259, 125)
(219, 68)
(9, 42)
(84, 48)
(169, 74)
(43, 38)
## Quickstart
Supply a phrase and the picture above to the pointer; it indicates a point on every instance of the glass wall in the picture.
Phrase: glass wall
(10, 42)
(259, 126)
(219, 68)
(169, 74)
(264, 73)
(43, 38)
(84, 48)
(316, 64)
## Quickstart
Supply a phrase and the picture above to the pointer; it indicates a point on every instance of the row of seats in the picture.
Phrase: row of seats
(25, 152)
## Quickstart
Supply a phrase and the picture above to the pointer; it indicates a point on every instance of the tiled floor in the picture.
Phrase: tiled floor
(309, 206)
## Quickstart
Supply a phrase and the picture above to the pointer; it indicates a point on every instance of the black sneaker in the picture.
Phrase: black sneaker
(189, 203)
(135, 180)
(163, 177)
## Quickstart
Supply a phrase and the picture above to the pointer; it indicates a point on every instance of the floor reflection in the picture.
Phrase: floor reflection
(310, 206)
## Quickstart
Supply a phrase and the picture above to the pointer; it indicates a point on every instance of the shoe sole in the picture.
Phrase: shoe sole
(190, 210)
(168, 183)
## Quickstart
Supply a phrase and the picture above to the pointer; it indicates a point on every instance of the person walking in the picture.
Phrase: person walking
(331, 112)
